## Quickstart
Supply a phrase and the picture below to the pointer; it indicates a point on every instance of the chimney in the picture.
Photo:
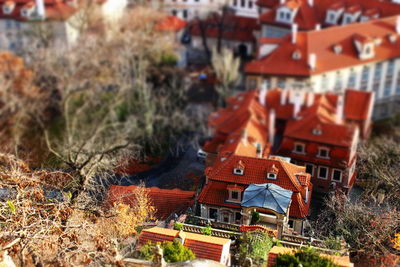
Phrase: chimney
(283, 97)
(259, 150)
(339, 109)
(317, 27)
(310, 2)
(297, 103)
(398, 24)
(310, 99)
(271, 127)
(282, 2)
(312, 61)
(262, 95)
(294, 33)
(40, 9)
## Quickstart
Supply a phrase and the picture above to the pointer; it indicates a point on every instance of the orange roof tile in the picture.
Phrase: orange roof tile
(171, 23)
(166, 201)
(320, 42)
(206, 247)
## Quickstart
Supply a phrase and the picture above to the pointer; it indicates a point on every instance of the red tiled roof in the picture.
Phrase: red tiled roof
(166, 201)
(235, 28)
(308, 17)
(171, 23)
(320, 43)
(357, 104)
(54, 9)
(205, 247)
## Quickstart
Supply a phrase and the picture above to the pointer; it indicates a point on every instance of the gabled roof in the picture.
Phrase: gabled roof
(205, 247)
(166, 201)
(171, 23)
(235, 28)
(320, 42)
(268, 196)
(308, 16)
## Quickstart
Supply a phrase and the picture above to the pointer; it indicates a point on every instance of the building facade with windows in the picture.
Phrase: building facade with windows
(363, 56)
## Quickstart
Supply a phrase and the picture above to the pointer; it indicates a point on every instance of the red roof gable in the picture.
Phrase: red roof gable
(234, 28)
(171, 23)
(166, 201)
(320, 42)
(205, 247)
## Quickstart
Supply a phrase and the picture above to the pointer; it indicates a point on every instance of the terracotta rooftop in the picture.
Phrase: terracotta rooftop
(171, 23)
(166, 201)
(320, 42)
(235, 28)
(206, 247)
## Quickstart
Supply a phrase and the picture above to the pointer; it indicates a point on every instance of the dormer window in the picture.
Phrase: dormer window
(272, 173)
(8, 7)
(364, 45)
(239, 168)
(235, 193)
(332, 16)
(337, 49)
(299, 148)
(296, 55)
(323, 152)
(285, 14)
(317, 130)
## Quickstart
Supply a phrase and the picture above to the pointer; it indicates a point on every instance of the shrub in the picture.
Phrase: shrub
(255, 217)
(178, 226)
(206, 230)
(256, 245)
(173, 252)
(307, 257)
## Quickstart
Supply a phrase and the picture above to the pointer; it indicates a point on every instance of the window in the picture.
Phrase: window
(310, 169)
(364, 78)
(322, 172)
(377, 77)
(213, 213)
(235, 195)
(238, 171)
(290, 223)
(352, 80)
(338, 82)
(271, 176)
(174, 12)
(324, 82)
(238, 217)
(389, 79)
(8, 24)
(243, 3)
(337, 175)
(250, 4)
(235, 2)
(323, 152)
(281, 83)
(225, 217)
(185, 13)
(299, 148)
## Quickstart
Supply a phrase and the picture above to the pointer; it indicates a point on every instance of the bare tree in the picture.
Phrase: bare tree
(226, 68)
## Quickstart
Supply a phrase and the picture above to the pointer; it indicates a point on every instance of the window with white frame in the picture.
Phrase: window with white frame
(331, 17)
(322, 172)
(352, 79)
(271, 176)
(365, 78)
(284, 15)
(213, 213)
(299, 148)
(336, 175)
(238, 171)
(310, 169)
(323, 152)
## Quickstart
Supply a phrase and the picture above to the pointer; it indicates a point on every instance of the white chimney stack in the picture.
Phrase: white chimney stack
(262, 95)
(294, 33)
(398, 24)
(282, 2)
(297, 103)
(312, 61)
(283, 97)
(317, 27)
(310, 99)
(40, 9)
(271, 127)
(310, 2)
(339, 109)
